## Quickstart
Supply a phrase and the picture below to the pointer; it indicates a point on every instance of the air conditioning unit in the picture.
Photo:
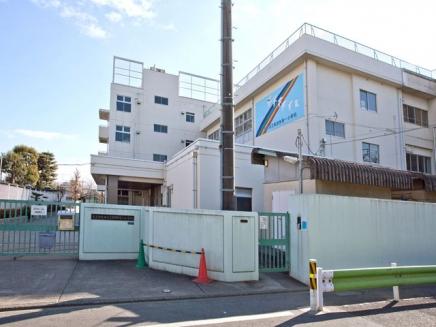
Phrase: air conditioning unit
(138, 102)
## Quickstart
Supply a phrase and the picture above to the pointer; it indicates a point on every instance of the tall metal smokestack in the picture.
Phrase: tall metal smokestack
(227, 134)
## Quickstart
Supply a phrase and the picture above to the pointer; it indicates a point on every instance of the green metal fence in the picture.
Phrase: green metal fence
(367, 278)
(29, 228)
(273, 242)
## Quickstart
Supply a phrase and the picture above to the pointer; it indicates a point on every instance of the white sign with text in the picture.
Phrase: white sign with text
(38, 210)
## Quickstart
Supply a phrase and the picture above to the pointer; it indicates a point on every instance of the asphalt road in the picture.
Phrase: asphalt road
(287, 309)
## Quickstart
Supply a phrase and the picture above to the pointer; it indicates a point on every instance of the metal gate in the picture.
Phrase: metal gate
(29, 228)
(274, 242)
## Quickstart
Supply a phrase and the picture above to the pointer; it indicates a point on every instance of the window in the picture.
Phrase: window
(160, 128)
(122, 134)
(415, 115)
(370, 152)
(243, 199)
(368, 101)
(169, 195)
(124, 103)
(215, 135)
(159, 157)
(123, 197)
(188, 142)
(334, 128)
(243, 127)
(418, 163)
(160, 100)
(190, 117)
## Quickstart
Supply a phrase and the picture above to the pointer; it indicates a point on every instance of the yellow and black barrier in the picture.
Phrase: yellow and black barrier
(170, 249)
(142, 263)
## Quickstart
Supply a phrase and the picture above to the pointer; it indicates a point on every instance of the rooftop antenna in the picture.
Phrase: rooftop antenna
(227, 133)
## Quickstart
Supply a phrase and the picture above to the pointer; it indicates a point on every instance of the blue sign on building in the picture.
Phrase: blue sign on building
(282, 106)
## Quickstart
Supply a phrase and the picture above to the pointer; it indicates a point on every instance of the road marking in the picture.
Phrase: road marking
(227, 319)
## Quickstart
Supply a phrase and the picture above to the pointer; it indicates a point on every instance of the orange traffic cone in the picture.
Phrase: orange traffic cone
(202, 270)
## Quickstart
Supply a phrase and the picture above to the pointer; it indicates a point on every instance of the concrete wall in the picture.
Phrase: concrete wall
(13, 192)
(109, 239)
(351, 232)
(197, 181)
(229, 239)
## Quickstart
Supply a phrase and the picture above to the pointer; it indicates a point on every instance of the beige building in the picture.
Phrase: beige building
(353, 104)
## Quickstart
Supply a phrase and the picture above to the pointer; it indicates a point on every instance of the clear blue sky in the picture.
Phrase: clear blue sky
(56, 55)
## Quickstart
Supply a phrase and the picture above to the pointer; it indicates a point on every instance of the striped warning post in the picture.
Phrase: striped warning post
(170, 249)
(312, 274)
(313, 285)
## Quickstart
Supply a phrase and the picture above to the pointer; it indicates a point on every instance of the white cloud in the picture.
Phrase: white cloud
(130, 8)
(47, 3)
(84, 13)
(114, 16)
(87, 23)
(168, 27)
(94, 31)
(44, 135)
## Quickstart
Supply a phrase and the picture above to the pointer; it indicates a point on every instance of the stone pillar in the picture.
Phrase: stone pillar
(112, 189)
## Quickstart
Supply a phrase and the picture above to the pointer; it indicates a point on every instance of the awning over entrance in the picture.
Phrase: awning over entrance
(350, 172)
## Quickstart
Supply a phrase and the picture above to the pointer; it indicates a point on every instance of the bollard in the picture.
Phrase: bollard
(319, 289)
(140, 262)
(395, 289)
(312, 285)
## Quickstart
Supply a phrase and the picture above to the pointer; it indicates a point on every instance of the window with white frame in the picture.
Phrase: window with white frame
(160, 128)
(215, 135)
(244, 127)
(368, 101)
(334, 128)
(122, 134)
(190, 117)
(124, 103)
(159, 157)
(418, 163)
(370, 152)
(415, 115)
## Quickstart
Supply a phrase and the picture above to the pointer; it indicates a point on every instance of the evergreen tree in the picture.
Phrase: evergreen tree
(47, 168)
(21, 166)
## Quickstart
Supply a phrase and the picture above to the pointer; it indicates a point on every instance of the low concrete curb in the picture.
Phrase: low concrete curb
(107, 301)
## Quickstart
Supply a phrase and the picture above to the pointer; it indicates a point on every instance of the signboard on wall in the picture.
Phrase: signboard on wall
(282, 106)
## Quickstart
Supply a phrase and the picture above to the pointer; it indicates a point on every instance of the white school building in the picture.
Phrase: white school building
(368, 122)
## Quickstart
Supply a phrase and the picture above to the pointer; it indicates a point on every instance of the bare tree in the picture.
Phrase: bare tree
(60, 191)
(76, 186)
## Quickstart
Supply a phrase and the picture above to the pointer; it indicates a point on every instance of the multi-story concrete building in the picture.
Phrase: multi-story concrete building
(351, 103)
(148, 122)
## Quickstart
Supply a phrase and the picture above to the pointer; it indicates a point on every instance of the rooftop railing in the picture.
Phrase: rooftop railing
(341, 41)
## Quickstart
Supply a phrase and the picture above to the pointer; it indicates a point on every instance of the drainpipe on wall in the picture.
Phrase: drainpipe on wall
(306, 103)
(195, 178)
(434, 150)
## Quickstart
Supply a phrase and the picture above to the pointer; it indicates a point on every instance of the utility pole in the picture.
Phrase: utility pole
(227, 133)
(300, 160)
(1, 167)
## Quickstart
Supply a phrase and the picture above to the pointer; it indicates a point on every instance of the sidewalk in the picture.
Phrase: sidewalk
(39, 282)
